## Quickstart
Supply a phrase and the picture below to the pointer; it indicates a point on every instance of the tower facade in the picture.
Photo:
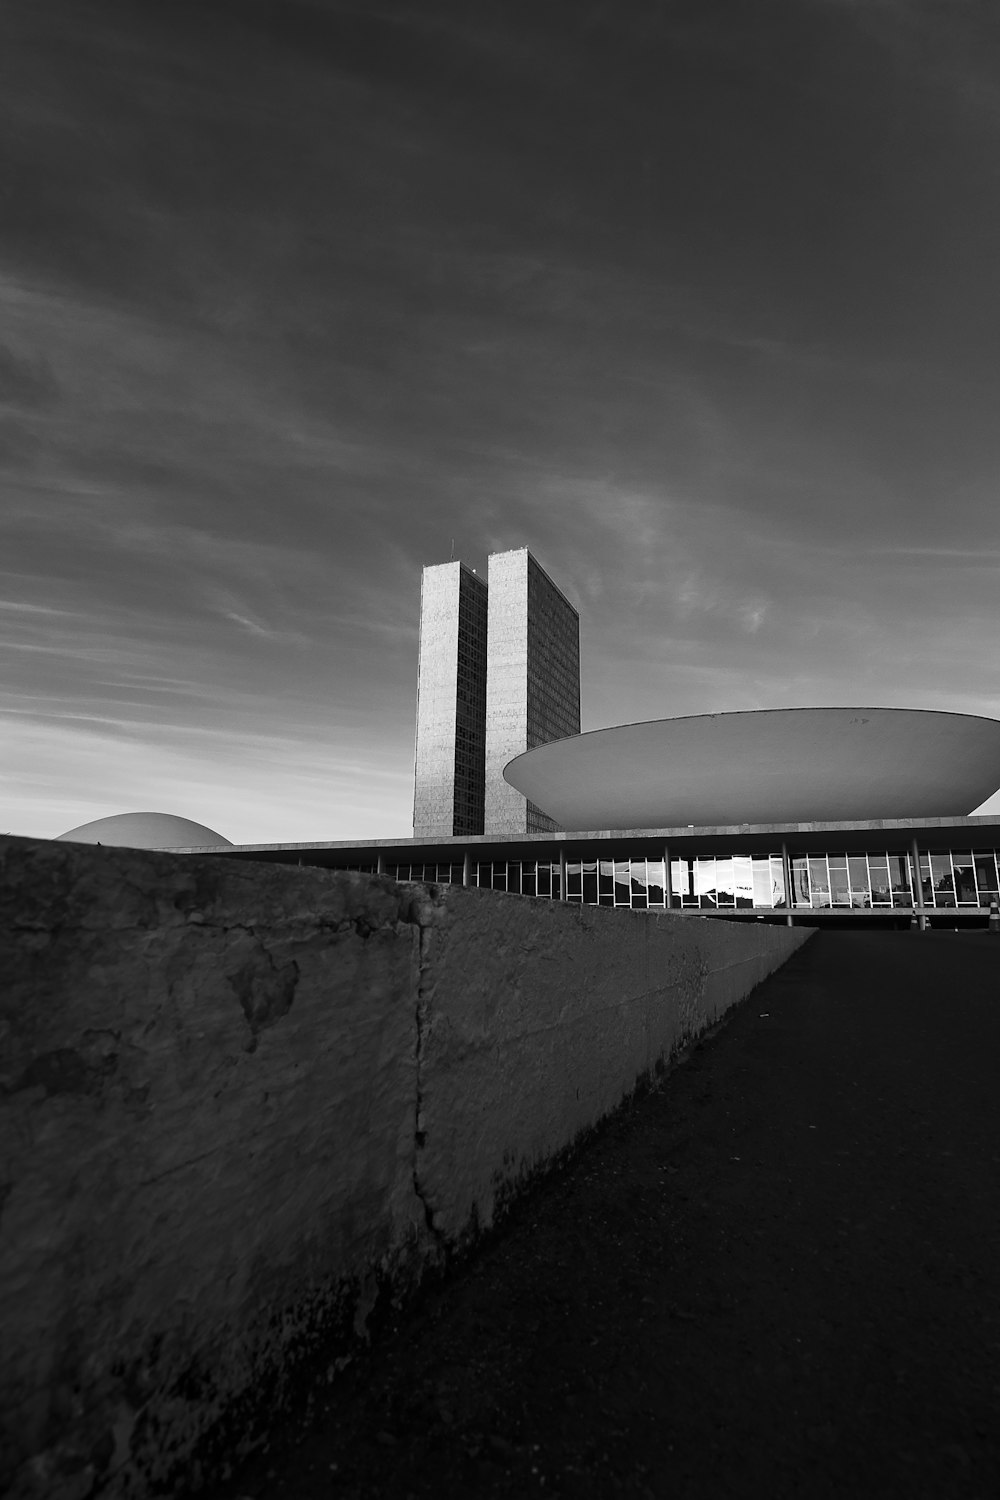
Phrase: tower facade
(449, 761)
(532, 681)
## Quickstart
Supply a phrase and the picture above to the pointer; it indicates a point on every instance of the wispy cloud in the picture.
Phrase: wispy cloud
(695, 302)
(19, 607)
(67, 773)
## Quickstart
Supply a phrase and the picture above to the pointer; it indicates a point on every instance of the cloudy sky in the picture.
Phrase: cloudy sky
(699, 299)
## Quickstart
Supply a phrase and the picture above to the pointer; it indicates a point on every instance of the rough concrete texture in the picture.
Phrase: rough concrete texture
(240, 1100)
(537, 1018)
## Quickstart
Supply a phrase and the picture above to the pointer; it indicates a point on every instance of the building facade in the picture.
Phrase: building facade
(450, 750)
(498, 674)
(778, 815)
(890, 873)
(532, 683)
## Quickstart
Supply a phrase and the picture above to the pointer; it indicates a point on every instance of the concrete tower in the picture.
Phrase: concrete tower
(532, 681)
(451, 703)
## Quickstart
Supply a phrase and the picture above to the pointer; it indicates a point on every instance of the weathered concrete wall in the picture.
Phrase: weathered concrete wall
(239, 1100)
(537, 1018)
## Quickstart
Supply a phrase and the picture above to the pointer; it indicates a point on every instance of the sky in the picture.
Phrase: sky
(697, 299)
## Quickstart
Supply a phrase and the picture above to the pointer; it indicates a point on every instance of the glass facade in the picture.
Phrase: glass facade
(470, 707)
(950, 879)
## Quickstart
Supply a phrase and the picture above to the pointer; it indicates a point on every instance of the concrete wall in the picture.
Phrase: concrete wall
(241, 1102)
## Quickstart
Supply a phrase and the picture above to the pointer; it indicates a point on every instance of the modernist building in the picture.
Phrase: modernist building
(532, 682)
(450, 752)
(893, 872)
(498, 674)
(815, 815)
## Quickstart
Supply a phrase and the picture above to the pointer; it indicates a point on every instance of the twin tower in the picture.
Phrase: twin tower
(499, 674)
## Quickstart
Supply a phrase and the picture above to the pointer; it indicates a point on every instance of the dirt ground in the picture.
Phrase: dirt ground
(777, 1275)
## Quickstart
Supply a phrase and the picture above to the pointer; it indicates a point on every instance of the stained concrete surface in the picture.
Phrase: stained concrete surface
(243, 1105)
(778, 1274)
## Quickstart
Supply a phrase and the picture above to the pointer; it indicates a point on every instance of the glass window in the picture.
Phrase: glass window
(762, 883)
(654, 882)
(606, 882)
(637, 884)
(840, 890)
(690, 897)
(528, 878)
(514, 876)
(857, 875)
(544, 879)
(574, 880)
(590, 883)
(878, 869)
(819, 880)
(925, 881)
(986, 877)
(778, 895)
(725, 890)
(679, 882)
(704, 882)
(743, 880)
(899, 879)
(943, 880)
(965, 879)
(801, 891)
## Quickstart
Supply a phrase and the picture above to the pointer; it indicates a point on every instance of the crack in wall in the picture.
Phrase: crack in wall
(422, 912)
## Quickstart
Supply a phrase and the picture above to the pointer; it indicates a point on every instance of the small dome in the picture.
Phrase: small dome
(146, 830)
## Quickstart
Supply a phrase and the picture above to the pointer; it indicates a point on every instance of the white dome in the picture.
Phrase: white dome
(774, 765)
(146, 830)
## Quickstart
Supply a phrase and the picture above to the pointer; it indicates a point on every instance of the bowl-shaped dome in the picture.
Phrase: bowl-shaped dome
(146, 830)
(787, 765)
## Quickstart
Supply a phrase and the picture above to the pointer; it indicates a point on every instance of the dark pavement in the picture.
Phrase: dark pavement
(779, 1274)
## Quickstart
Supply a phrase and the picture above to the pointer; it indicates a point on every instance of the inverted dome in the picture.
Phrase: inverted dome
(146, 830)
(784, 765)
